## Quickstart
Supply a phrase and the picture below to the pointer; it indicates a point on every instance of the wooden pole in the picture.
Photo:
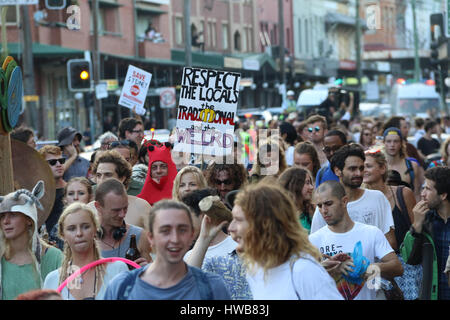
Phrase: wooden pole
(6, 167)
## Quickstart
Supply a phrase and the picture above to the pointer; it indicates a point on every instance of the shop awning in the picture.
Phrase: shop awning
(199, 59)
(342, 19)
(145, 60)
(44, 50)
(145, 8)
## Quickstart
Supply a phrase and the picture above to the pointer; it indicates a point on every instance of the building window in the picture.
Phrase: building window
(178, 30)
(244, 40)
(225, 36)
(300, 47)
(250, 39)
(212, 37)
(12, 15)
(237, 41)
(306, 37)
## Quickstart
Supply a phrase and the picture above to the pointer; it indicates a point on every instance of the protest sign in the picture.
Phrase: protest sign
(134, 90)
(206, 111)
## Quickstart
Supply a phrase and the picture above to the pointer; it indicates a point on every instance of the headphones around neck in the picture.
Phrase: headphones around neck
(117, 232)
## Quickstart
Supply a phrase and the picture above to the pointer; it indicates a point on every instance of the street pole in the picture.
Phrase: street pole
(96, 69)
(358, 48)
(187, 34)
(28, 71)
(417, 73)
(281, 52)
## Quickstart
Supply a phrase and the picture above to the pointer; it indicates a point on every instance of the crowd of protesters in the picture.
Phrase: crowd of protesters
(330, 207)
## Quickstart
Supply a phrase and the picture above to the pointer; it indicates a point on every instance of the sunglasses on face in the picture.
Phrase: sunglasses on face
(226, 182)
(317, 128)
(115, 144)
(52, 162)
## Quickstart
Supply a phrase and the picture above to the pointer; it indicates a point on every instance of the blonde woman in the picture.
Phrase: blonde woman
(78, 189)
(270, 161)
(78, 227)
(188, 179)
(281, 262)
(25, 260)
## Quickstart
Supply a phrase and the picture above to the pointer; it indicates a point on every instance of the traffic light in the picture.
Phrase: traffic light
(434, 57)
(79, 75)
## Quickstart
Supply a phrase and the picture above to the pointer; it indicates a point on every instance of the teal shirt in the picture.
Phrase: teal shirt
(305, 221)
(18, 279)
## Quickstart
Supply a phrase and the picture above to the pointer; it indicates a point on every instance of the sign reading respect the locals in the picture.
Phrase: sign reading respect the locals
(134, 90)
(206, 111)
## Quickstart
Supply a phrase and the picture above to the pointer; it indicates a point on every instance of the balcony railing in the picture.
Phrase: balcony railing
(150, 49)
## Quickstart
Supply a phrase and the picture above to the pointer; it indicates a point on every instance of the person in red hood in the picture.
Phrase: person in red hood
(161, 174)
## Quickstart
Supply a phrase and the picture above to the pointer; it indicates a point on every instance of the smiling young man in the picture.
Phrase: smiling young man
(364, 205)
(428, 240)
(168, 277)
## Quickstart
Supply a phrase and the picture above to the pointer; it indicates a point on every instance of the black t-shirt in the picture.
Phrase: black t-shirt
(57, 209)
(428, 146)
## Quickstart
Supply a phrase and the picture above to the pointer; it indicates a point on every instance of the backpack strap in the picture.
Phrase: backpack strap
(127, 283)
(203, 283)
(401, 202)
(410, 170)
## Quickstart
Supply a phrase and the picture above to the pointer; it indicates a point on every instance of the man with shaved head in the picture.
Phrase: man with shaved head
(340, 236)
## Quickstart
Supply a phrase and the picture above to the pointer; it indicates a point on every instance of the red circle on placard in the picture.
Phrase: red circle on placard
(134, 90)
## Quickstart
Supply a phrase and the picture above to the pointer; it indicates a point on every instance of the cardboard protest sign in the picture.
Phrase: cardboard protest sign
(134, 90)
(206, 111)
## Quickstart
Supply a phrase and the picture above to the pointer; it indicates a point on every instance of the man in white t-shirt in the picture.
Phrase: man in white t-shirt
(341, 235)
(366, 206)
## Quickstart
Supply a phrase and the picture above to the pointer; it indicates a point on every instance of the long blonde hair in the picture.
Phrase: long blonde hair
(201, 180)
(274, 231)
(66, 263)
(5, 250)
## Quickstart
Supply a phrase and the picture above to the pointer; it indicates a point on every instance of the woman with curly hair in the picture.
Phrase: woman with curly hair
(226, 177)
(281, 262)
(78, 227)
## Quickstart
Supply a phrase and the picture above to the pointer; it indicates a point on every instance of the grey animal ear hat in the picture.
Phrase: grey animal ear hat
(24, 201)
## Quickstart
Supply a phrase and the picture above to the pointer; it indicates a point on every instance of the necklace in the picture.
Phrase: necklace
(111, 246)
(81, 281)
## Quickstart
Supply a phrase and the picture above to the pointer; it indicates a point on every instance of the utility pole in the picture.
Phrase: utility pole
(28, 71)
(187, 34)
(96, 69)
(281, 52)
(358, 47)
(417, 73)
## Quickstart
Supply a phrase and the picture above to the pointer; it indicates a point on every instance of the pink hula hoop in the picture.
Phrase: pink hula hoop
(93, 264)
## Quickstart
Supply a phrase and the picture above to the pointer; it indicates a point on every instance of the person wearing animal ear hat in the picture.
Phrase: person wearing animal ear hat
(161, 173)
(25, 260)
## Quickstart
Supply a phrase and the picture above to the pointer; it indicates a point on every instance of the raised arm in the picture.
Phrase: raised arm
(208, 232)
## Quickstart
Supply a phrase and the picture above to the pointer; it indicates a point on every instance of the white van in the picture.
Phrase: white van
(414, 100)
(310, 99)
